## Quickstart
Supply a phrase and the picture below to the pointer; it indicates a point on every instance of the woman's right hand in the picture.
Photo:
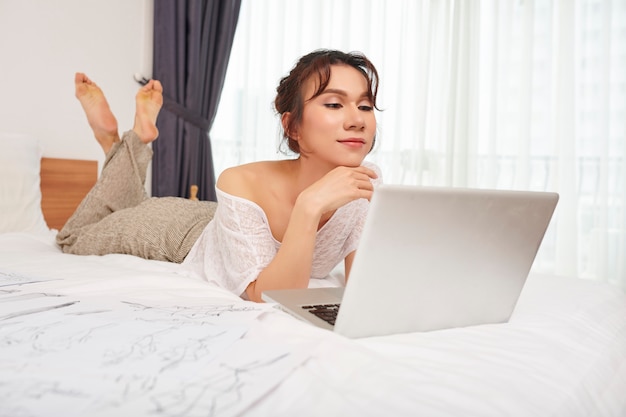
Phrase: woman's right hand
(337, 188)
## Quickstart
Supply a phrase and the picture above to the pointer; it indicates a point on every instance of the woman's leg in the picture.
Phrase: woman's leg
(161, 228)
(116, 216)
(120, 186)
(121, 183)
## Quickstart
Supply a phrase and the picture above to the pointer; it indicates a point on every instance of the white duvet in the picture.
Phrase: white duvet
(121, 336)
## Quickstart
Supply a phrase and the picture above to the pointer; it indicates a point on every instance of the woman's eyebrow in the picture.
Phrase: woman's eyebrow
(334, 91)
(342, 92)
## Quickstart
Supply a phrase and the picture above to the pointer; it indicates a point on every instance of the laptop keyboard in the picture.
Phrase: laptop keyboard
(326, 312)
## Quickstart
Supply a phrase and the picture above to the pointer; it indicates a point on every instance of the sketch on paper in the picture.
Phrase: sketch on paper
(8, 278)
(95, 357)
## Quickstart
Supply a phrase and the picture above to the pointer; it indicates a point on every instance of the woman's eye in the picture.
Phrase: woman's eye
(366, 108)
(333, 105)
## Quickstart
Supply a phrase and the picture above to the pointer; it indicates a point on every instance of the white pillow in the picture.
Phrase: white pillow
(20, 194)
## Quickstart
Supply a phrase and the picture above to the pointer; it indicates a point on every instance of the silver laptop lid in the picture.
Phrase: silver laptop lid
(432, 258)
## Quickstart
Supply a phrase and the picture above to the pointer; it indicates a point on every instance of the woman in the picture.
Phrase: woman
(278, 223)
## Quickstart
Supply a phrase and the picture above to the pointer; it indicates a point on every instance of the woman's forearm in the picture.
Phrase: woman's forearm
(291, 267)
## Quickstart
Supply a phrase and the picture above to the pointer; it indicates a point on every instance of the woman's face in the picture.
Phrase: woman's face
(339, 125)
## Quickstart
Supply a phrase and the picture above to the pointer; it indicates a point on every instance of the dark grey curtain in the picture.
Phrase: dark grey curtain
(192, 43)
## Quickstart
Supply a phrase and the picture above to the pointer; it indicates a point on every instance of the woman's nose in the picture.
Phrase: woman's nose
(354, 118)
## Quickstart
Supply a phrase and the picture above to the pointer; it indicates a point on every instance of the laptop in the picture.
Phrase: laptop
(431, 258)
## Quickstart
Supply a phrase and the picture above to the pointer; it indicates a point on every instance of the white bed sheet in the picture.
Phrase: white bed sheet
(562, 354)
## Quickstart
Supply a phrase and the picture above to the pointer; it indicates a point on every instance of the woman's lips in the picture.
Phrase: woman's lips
(352, 142)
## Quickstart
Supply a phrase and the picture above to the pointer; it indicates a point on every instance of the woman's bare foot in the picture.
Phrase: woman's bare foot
(96, 107)
(149, 100)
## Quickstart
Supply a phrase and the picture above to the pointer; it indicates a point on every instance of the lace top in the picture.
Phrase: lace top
(238, 243)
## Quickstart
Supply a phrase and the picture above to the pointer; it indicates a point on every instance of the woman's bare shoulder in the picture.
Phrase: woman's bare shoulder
(247, 180)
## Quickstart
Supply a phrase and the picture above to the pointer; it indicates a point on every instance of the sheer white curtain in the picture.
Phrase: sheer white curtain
(515, 94)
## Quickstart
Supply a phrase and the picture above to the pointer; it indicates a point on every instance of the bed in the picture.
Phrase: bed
(117, 335)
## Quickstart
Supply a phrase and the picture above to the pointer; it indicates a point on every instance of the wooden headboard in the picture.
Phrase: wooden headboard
(64, 183)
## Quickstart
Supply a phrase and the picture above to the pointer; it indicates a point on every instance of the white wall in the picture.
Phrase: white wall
(43, 43)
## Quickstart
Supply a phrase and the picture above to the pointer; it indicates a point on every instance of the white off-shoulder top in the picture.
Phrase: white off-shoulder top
(238, 243)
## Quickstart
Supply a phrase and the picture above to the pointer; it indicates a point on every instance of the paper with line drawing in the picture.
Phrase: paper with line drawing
(127, 359)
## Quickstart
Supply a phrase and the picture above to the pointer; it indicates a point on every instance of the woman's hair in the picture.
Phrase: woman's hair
(290, 90)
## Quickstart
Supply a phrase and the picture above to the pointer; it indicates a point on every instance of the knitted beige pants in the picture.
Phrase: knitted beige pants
(117, 216)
